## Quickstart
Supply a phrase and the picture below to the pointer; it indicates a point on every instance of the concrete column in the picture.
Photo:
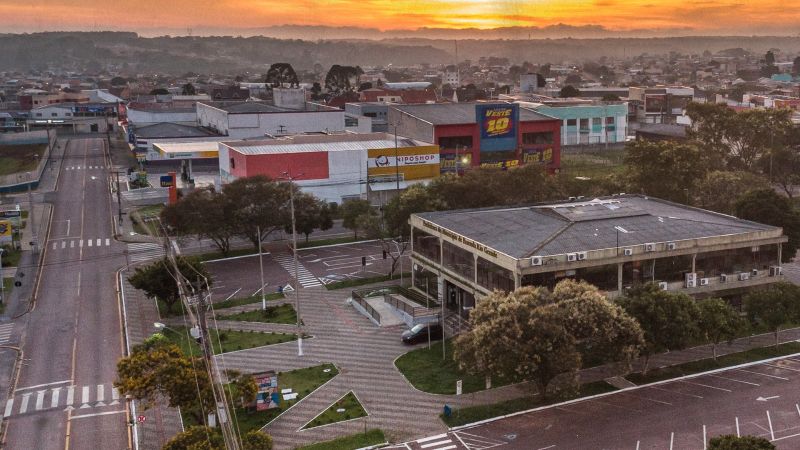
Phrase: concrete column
(780, 250)
(694, 261)
(475, 269)
(517, 281)
(619, 278)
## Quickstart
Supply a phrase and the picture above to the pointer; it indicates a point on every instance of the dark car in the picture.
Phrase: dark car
(420, 333)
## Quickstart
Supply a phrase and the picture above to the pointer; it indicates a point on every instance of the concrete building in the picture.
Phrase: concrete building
(78, 117)
(376, 111)
(660, 104)
(144, 114)
(594, 123)
(613, 243)
(143, 138)
(334, 167)
(244, 120)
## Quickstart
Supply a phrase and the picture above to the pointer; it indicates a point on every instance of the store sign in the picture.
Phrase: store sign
(537, 156)
(6, 231)
(267, 396)
(459, 238)
(502, 164)
(498, 126)
(402, 160)
(167, 181)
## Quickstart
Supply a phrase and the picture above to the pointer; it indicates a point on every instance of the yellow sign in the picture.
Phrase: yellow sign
(6, 230)
(414, 163)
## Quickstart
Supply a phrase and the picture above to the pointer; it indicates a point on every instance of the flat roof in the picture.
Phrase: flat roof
(585, 225)
(322, 143)
(171, 130)
(459, 113)
(242, 107)
(186, 147)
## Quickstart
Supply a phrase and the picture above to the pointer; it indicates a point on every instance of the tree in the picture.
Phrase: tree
(374, 227)
(119, 81)
(573, 79)
(610, 98)
(782, 166)
(710, 123)
(259, 202)
(719, 321)
(159, 91)
(719, 190)
(796, 66)
(773, 307)
(280, 74)
(188, 89)
(316, 91)
(767, 207)
(522, 324)
(351, 211)
(417, 198)
(769, 58)
(256, 440)
(733, 442)
(196, 438)
(342, 79)
(364, 86)
(569, 91)
(667, 170)
(158, 369)
(206, 214)
(157, 279)
(244, 389)
(669, 320)
(310, 214)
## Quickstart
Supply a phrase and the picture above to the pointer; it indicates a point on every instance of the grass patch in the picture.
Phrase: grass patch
(704, 365)
(8, 286)
(330, 241)
(145, 220)
(230, 340)
(593, 164)
(218, 255)
(273, 314)
(352, 410)
(163, 312)
(362, 281)
(11, 256)
(303, 381)
(20, 158)
(471, 414)
(352, 442)
(426, 371)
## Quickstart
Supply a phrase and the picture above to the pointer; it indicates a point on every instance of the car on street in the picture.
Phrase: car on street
(419, 333)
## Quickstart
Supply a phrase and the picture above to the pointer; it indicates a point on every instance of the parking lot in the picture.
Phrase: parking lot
(760, 399)
(343, 262)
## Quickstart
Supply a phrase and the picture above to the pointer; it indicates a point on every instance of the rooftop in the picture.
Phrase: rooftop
(601, 223)
(458, 113)
(321, 143)
(261, 107)
(171, 130)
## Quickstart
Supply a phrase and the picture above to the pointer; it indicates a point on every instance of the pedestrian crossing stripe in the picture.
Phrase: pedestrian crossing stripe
(71, 243)
(5, 332)
(145, 251)
(35, 401)
(304, 276)
(82, 167)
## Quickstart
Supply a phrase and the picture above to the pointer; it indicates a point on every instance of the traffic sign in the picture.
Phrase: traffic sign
(141, 419)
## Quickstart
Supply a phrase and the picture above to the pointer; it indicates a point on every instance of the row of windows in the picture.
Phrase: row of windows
(596, 121)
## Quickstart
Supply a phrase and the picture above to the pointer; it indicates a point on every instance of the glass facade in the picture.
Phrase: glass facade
(426, 245)
(736, 260)
(458, 260)
(492, 276)
(425, 279)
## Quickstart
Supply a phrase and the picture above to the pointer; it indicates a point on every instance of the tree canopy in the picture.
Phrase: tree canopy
(774, 306)
(733, 442)
(665, 169)
(158, 280)
(768, 207)
(281, 74)
(342, 79)
(569, 91)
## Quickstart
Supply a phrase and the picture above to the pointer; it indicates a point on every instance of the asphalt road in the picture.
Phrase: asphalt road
(64, 397)
(761, 399)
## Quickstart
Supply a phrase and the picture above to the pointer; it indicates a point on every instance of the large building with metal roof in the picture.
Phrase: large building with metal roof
(612, 242)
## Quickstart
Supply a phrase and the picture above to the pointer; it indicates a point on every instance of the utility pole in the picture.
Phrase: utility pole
(288, 176)
(32, 217)
(261, 267)
(119, 201)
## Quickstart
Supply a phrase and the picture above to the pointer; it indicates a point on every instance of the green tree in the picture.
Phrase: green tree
(159, 91)
(119, 81)
(158, 369)
(520, 323)
(188, 89)
(611, 98)
(158, 280)
(733, 442)
(767, 207)
(259, 202)
(372, 226)
(204, 213)
(782, 166)
(719, 190)
(773, 307)
(256, 440)
(280, 74)
(719, 322)
(796, 66)
(666, 170)
(245, 388)
(351, 212)
(417, 198)
(342, 79)
(669, 320)
(310, 214)
(196, 438)
(569, 91)
(710, 125)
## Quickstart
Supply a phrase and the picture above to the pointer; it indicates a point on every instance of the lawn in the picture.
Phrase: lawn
(471, 414)
(273, 314)
(426, 371)
(371, 437)
(10, 256)
(303, 381)
(231, 340)
(704, 365)
(8, 286)
(592, 164)
(145, 220)
(19, 158)
(346, 408)
(163, 312)
(362, 281)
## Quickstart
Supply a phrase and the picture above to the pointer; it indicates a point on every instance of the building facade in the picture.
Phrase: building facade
(614, 243)
(244, 120)
(590, 124)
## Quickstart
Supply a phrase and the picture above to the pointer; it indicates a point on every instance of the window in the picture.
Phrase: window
(233, 163)
(597, 121)
(38, 114)
(68, 114)
(584, 125)
(54, 114)
(426, 245)
(572, 122)
(370, 114)
(537, 138)
(451, 142)
(609, 121)
(458, 260)
(492, 276)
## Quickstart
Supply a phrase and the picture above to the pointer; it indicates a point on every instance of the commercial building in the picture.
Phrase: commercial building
(526, 136)
(78, 117)
(144, 114)
(376, 111)
(592, 123)
(142, 139)
(245, 120)
(660, 104)
(614, 243)
(334, 167)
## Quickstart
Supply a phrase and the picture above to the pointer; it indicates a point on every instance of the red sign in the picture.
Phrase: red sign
(141, 419)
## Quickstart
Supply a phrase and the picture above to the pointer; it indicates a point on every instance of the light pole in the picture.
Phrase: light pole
(261, 267)
(2, 280)
(32, 215)
(289, 177)
(396, 162)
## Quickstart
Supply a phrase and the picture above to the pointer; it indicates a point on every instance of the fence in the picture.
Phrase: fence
(358, 298)
(413, 311)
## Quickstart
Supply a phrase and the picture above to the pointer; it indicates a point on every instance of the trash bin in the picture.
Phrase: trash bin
(448, 411)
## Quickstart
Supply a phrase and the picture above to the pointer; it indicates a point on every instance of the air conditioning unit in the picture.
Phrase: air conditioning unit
(754, 272)
(536, 260)
(723, 278)
(628, 252)
(581, 256)
(671, 246)
(705, 281)
(744, 276)
(775, 271)
(691, 280)
(650, 247)
(663, 285)
(572, 257)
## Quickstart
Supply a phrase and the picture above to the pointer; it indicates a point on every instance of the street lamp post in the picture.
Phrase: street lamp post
(261, 267)
(291, 179)
(2, 280)
(32, 214)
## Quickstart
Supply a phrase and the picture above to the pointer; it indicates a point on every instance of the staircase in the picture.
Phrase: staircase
(454, 326)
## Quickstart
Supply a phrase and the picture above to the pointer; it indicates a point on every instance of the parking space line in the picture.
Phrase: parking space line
(733, 379)
(704, 437)
(545, 448)
(798, 408)
(738, 434)
(234, 293)
(781, 367)
(646, 398)
(771, 432)
(432, 438)
(671, 440)
(763, 374)
(637, 445)
(675, 392)
(705, 385)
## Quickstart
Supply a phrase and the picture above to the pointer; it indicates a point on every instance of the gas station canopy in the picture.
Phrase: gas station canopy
(187, 150)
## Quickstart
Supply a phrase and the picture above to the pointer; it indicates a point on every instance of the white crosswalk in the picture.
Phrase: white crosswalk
(59, 244)
(144, 251)
(5, 332)
(305, 277)
(48, 396)
(83, 167)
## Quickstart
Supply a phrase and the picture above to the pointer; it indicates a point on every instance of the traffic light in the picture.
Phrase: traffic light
(384, 254)
(363, 260)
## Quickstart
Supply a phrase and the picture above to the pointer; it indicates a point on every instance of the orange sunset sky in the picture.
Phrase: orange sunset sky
(701, 16)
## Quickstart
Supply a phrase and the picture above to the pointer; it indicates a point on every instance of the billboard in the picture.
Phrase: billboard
(268, 395)
(498, 126)
(6, 231)
(412, 162)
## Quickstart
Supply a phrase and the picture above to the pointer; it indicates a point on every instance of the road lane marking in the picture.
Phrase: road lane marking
(646, 398)
(705, 385)
(671, 440)
(436, 443)
(70, 395)
(732, 379)
(85, 397)
(89, 242)
(101, 395)
(431, 438)
(39, 400)
(80, 243)
(97, 414)
(108, 242)
(771, 431)
(782, 367)
(705, 439)
(798, 408)
(98, 242)
(54, 245)
(545, 448)
(54, 397)
(234, 293)
(114, 396)
(9, 407)
(63, 244)
(763, 374)
(24, 406)
(676, 392)
(737, 428)
(71, 244)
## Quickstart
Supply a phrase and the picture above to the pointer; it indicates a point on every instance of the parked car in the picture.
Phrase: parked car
(420, 333)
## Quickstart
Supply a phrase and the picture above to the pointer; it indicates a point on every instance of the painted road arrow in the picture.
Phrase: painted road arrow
(763, 399)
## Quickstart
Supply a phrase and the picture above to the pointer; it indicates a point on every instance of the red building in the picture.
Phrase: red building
(455, 129)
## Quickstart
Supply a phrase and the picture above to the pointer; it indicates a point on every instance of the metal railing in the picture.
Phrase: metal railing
(358, 298)
(414, 311)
